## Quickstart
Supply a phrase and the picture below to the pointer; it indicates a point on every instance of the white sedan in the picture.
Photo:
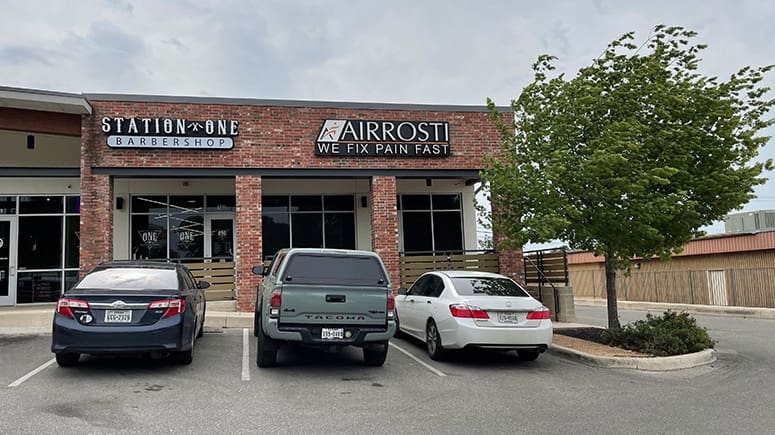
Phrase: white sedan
(458, 309)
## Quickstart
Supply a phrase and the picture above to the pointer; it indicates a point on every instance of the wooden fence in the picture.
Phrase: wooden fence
(412, 266)
(733, 287)
(220, 275)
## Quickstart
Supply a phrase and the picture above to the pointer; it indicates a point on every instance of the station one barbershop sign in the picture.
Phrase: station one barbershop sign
(170, 133)
(339, 137)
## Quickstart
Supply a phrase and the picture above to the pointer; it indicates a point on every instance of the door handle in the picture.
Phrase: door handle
(428, 302)
(411, 300)
(335, 298)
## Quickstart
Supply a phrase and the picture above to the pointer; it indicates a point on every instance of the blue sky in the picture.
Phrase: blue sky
(439, 52)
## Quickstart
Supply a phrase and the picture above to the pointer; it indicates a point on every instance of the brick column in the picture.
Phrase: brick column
(249, 241)
(384, 224)
(96, 229)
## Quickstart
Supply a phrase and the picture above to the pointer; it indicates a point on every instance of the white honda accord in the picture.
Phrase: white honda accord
(456, 309)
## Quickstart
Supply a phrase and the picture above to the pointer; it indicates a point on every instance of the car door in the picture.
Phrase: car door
(408, 313)
(429, 307)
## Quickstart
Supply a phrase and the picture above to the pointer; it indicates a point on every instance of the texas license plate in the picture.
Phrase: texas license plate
(332, 333)
(508, 318)
(118, 316)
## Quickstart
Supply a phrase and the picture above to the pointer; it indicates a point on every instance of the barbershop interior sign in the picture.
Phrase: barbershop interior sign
(170, 133)
(340, 137)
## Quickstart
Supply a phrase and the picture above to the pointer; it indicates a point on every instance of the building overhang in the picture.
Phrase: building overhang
(43, 101)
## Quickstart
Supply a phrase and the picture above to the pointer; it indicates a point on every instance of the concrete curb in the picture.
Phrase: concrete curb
(654, 364)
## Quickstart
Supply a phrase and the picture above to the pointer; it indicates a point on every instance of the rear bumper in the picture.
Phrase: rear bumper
(310, 334)
(165, 335)
(461, 333)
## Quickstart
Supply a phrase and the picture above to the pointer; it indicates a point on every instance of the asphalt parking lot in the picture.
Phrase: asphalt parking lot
(223, 391)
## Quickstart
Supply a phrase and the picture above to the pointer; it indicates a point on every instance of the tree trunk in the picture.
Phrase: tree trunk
(610, 288)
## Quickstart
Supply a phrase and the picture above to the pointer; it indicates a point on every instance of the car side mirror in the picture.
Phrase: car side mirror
(203, 285)
(259, 270)
(403, 291)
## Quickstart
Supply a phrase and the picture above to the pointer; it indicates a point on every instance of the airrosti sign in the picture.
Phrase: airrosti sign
(170, 133)
(341, 137)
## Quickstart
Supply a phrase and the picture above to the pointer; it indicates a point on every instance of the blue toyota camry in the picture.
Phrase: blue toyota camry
(130, 307)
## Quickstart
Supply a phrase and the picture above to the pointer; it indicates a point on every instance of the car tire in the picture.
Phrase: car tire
(528, 355)
(186, 357)
(374, 355)
(433, 341)
(399, 333)
(266, 354)
(67, 359)
(202, 323)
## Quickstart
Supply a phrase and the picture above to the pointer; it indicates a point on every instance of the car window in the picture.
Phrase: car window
(334, 269)
(277, 261)
(187, 279)
(126, 278)
(435, 286)
(467, 286)
(420, 287)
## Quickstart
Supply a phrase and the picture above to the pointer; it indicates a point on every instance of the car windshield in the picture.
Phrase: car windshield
(467, 286)
(125, 278)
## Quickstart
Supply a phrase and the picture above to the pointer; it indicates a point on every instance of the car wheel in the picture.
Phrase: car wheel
(266, 354)
(375, 355)
(528, 355)
(399, 333)
(433, 341)
(186, 357)
(67, 359)
(202, 323)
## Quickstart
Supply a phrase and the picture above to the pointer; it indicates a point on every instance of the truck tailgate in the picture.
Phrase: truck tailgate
(333, 305)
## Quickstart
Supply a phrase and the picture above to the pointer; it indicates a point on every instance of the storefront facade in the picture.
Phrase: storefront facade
(233, 180)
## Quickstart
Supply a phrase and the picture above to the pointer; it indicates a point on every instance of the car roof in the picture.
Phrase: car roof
(327, 251)
(149, 264)
(469, 274)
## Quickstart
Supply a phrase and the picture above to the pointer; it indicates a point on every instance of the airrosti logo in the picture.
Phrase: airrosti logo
(342, 137)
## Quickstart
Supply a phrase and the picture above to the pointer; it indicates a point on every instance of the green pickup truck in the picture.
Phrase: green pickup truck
(326, 298)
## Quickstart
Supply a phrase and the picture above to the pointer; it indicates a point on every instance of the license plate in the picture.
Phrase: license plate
(508, 318)
(332, 333)
(118, 316)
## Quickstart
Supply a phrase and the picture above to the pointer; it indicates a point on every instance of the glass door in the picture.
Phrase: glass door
(219, 240)
(7, 260)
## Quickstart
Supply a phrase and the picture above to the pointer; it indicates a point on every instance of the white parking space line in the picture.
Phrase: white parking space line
(245, 355)
(427, 366)
(19, 381)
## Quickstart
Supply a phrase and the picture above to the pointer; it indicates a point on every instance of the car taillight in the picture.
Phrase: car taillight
(539, 314)
(467, 312)
(173, 306)
(391, 305)
(274, 304)
(65, 304)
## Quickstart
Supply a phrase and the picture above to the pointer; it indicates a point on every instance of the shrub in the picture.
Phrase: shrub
(670, 334)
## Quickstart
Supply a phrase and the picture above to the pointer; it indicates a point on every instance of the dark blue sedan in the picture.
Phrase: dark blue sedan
(130, 307)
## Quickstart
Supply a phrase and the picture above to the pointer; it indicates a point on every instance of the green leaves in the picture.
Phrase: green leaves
(632, 155)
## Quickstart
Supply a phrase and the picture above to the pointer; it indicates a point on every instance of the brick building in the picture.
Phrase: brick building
(86, 178)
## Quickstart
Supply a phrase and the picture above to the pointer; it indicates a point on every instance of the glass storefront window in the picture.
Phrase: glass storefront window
(220, 203)
(41, 205)
(149, 236)
(7, 205)
(186, 236)
(72, 204)
(307, 221)
(34, 287)
(431, 223)
(149, 204)
(72, 241)
(40, 242)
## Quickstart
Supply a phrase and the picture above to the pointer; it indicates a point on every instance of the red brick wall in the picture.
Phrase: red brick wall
(284, 137)
(96, 220)
(249, 246)
(384, 225)
(33, 121)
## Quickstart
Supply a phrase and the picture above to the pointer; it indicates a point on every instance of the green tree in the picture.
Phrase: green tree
(630, 157)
